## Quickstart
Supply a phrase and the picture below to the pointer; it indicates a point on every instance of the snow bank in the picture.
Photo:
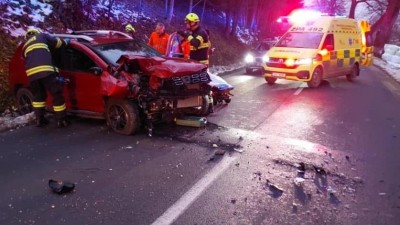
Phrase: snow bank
(392, 55)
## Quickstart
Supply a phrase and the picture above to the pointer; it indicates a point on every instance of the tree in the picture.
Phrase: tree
(382, 28)
(353, 6)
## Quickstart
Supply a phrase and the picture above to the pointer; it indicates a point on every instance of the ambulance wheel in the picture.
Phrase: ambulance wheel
(122, 116)
(353, 74)
(316, 78)
(24, 101)
(270, 80)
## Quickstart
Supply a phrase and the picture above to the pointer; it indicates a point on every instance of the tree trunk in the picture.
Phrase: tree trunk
(171, 11)
(228, 19)
(353, 6)
(166, 9)
(204, 7)
(382, 29)
(235, 19)
(190, 6)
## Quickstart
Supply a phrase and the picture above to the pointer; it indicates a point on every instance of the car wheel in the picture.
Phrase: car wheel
(227, 101)
(353, 74)
(270, 80)
(24, 101)
(202, 110)
(249, 71)
(122, 116)
(316, 78)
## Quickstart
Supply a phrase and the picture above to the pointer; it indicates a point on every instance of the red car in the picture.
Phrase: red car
(116, 77)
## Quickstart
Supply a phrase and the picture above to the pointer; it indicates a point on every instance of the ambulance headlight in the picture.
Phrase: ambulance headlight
(265, 58)
(249, 58)
(305, 61)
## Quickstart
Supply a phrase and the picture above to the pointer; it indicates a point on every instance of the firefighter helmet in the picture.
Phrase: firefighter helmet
(31, 32)
(129, 28)
(192, 17)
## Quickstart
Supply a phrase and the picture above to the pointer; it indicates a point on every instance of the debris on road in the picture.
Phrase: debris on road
(298, 181)
(275, 188)
(238, 150)
(382, 194)
(331, 191)
(220, 152)
(233, 201)
(191, 121)
(301, 168)
(61, 187)
(215, 146)
(319, 170)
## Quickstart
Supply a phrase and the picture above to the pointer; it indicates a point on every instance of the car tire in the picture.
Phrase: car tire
(270, 80)
(122, 116)
(202, 110)
(353, 74)
(24, 100)
(249, 71)
(227, 101)
(316, 78)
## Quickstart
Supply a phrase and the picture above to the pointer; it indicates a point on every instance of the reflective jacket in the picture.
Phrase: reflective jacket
(199, 45)
(37, 55)
(159, 42)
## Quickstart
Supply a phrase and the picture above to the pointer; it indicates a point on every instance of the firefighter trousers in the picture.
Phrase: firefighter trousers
(49, 84)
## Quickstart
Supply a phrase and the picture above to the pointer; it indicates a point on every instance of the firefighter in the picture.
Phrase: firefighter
(130, 29)
(43, 75)
(198, 39)
(159, 39)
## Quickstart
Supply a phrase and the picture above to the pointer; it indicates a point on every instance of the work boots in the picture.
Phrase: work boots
(62, 123)
(41, 121)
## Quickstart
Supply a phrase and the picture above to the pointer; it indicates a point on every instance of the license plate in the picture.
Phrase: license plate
(280, 75)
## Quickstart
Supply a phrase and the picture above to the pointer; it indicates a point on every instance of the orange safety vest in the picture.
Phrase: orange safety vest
(159, 42)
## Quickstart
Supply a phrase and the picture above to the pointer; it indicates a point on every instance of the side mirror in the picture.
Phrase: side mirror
(96, 70)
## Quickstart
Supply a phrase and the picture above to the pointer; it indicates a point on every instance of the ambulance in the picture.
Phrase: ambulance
(319, 47)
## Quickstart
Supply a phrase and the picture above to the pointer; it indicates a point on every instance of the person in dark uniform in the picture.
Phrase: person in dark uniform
(42, 75)
(198, 39)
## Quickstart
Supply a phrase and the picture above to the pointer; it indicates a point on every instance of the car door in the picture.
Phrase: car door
(330, 61)
(83, 91)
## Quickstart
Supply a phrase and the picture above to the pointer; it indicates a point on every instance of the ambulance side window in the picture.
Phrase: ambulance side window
(329, 43)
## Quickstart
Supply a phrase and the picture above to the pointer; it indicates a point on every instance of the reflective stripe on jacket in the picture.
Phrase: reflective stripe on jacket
(199, 45)
(37, 54)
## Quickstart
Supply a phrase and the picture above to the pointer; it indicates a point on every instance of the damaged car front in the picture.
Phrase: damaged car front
(161, 88)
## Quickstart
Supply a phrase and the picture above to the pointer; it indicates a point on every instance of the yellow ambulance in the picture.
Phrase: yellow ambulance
(320, 48)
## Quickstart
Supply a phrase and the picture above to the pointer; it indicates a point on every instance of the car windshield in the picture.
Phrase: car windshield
(300, 40)
(112, 52)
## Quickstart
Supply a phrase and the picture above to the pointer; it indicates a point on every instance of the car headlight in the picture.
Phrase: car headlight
(265, 58)
(249, 58)
(305, 61)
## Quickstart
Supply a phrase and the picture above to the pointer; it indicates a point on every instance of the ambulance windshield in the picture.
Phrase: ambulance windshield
(300, 40)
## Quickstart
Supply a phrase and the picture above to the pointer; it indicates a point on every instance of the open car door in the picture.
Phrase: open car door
(367, 48)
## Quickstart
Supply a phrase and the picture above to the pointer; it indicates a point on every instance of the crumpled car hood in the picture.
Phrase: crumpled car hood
(162, 67)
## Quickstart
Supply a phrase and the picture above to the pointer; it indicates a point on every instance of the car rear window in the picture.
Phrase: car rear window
(112, 52)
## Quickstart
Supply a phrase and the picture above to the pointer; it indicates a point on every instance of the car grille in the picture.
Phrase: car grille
(279, 63)
(196, 78)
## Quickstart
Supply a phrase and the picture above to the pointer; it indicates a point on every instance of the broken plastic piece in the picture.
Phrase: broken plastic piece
(191, 121)
(298, 181)
(61, 187)
(275, 188)
(301, 168)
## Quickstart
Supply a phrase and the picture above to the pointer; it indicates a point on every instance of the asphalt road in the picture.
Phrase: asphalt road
(349, 129)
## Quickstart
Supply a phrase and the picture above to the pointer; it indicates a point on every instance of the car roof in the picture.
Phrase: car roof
(95, 37)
